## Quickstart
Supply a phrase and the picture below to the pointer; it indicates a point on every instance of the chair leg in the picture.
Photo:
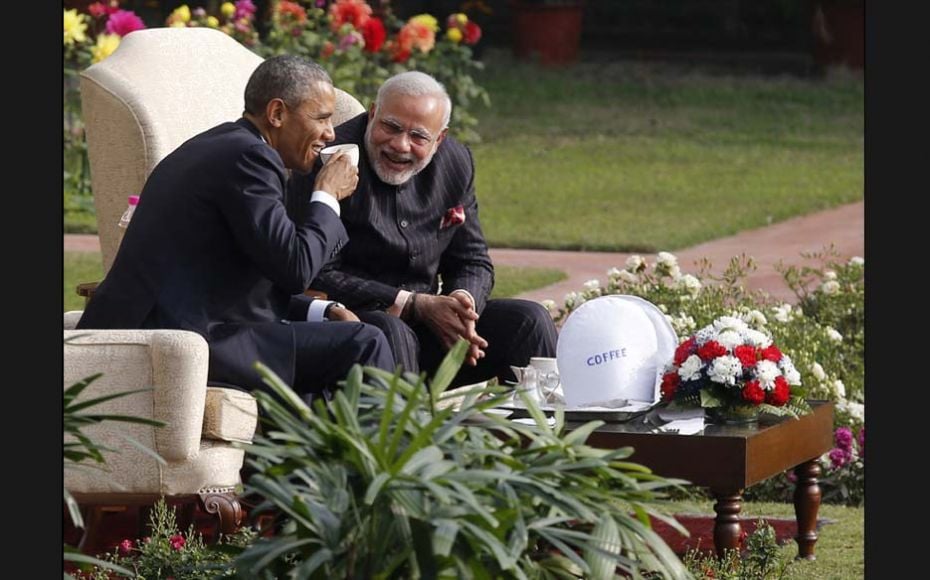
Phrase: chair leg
(225, 504)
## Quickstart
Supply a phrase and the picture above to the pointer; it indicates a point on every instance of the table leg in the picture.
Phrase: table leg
(727, 529)
(806, 505)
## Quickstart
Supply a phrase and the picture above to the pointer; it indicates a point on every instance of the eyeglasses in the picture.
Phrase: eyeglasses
(417, 137)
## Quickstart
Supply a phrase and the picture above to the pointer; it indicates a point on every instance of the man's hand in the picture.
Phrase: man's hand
(338, 176)
(451, 318)
(342, 315)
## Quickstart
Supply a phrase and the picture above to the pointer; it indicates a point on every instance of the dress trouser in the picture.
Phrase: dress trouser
(515, 330)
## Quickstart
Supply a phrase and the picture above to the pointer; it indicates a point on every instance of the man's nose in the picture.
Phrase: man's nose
(401, 142)
(329, 133)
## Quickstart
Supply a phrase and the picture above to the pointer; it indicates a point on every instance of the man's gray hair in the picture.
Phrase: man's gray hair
(415, 84)
(286, 77)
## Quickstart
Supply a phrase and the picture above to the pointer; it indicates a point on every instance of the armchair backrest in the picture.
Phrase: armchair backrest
(161, 87)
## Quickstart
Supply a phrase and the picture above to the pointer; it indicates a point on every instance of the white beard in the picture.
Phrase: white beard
(390, 176)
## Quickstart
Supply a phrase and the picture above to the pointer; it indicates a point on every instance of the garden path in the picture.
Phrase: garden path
(843, 226)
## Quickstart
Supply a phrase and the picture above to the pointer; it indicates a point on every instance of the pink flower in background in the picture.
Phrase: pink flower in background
(177, 541)
(125, 547)
(844, 438)
(97, 10)
(122, 22)
(244, 9)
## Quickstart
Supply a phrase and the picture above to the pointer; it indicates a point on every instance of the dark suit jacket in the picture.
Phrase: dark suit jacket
(210, 248)
(397, 241)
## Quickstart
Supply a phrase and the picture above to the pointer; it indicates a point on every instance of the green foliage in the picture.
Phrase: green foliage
(388, 479)
(762, 559)
(168, 553)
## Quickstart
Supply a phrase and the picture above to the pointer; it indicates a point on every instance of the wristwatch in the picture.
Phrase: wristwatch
(330, 306)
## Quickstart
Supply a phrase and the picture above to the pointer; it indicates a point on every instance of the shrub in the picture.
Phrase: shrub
(388, 480)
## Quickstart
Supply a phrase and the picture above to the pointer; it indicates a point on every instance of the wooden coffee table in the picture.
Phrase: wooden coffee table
(728, 459)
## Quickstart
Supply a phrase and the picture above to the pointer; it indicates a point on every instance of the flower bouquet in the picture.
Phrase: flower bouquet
(735, 372)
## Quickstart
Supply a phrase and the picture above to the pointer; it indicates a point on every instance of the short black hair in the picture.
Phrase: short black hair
(286, 77)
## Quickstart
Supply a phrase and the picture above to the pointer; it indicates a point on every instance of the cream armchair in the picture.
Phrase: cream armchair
(158, 89)
(196, 444)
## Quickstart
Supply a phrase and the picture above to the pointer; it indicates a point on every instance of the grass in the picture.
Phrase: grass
(840, 548)
(647, 157)
(509, 281)
(80, 267)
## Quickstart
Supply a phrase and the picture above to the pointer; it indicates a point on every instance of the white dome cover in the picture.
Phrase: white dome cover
(614, 347)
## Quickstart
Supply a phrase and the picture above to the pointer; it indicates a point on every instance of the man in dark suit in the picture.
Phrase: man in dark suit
(417, 265)
(210, 247)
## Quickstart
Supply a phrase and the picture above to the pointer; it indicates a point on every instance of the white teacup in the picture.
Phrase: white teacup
(547, 373)
(350, 148)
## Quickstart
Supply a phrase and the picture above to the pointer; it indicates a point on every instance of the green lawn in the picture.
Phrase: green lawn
(80, 267)
(647, 157)
(509, 281)
(840, 548)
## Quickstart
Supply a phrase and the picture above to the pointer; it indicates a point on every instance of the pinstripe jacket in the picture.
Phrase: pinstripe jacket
(402, 237)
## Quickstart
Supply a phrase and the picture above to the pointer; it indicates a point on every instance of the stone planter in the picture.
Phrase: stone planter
(551, 31)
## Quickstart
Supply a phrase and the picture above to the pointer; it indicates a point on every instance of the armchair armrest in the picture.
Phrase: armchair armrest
(173, 363)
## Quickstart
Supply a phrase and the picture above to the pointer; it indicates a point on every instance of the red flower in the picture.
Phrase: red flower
(472, 33)
(711, 350)
(374, 34)
(125, 547)
(291, 12)
(771, 353)
(670, 382)
(354, 12)
(780, 394)
(177, 541)
(753, 393)
(97, 9)
(684, 350)
(327, 50)
(746, 355)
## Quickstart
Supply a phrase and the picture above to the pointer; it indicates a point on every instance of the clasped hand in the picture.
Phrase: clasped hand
(450, 318)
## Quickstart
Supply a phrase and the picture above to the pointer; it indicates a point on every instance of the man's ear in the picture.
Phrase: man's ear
(275, 111)
(442, 135)
(371, 111)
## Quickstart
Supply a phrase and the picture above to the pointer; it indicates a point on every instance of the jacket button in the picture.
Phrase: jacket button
(403, 223)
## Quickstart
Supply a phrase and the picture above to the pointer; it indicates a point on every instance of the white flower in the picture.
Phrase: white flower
(662, 307)
(787, 368)
(613, 273)
(829, 275)
(830, 287)
(730, 323)
(730, 339)
(817, 371)
(690, 283)
(839, 389)
(628, 276)
(782, 313)
(592, 284)
(766, 372)
(833, 335)
(857, 261)
(691, 368)
(666, 259)
(682, 323)
(755, 318)
(855, 410)
(756, 338)
(724, 369)
(573, 300)
(635, 263)
(548, 304)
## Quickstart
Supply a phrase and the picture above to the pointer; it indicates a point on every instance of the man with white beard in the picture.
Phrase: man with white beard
(416, 264)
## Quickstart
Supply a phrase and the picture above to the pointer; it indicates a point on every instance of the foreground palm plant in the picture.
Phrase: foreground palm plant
(388, 481)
